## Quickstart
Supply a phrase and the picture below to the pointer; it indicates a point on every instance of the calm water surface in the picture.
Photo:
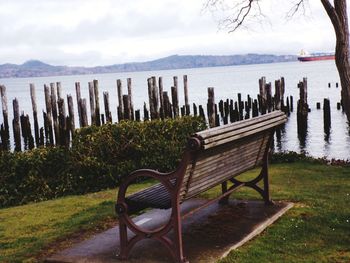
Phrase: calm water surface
(228, 81)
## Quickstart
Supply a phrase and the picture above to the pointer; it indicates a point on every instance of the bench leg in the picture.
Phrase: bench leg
(178, 246)
(224, 200)
(123, 235)
(266, 192)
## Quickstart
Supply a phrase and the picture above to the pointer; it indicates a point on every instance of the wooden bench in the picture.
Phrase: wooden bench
(212, 157)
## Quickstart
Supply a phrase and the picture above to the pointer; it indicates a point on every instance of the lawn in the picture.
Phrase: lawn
(316, 229)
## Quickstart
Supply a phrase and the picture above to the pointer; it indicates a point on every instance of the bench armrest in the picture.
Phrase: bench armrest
(164, 178)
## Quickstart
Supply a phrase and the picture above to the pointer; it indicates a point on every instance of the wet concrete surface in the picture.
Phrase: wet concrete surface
(208, 234)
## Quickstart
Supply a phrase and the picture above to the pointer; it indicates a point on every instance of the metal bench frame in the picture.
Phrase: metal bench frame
(173, 182)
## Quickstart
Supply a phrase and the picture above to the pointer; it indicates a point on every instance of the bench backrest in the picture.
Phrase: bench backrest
(228, 151)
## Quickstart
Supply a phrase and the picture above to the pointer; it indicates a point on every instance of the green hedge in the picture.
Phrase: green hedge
(98, 159)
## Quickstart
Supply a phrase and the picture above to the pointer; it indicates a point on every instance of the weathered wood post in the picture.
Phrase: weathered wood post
(132, 116)
(326, 116)
(54, 113)
(84, 118)
(120, 108)
(49, 139)
(106, 103)
(187, 105)
(302, 111)
(211, 107)
(145, 112)
(195, 110)
(175, 97)
(59, 90)
(161, 98)
(150, 98)
(262, 95)
(92, 103)
(62, 122)
(278, 94)
(127, 112)
(15, 125)
(35, 114)
(168, 111)
(155, 97)
(71, 115)
(97, 103)
(78, 94)
(5, 133)
(269, 97)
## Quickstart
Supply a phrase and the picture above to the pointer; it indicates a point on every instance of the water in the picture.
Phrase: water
(228, 81)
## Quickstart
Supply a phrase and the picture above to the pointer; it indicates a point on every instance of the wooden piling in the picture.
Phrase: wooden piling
(127, 112)
(326, 116)
(211, 108)
(16, 125)
(59, 90)
(187, 105)
(318, 105)
(35, 114)
(168, 111)
(201, 112)
(82, 103)
(107, 111)
(338, 105)
(150, 98)
(137, 115)
(145, 112)
(78, 95)
(161, 98)
(263, 95)
(302, 109)
(175, 101)
(278, 94)
(5, 132)
(49, 139)
(92, 103)
(195, 111)
(97, 103)
(71, 115)
(175, 97)
(155, 97)
(54, 113)
(120, 108)
(62, 122)
(130, 98)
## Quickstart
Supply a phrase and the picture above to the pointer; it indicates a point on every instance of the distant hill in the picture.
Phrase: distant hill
(36, 68)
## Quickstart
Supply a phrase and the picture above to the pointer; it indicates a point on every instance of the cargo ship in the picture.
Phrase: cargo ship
(305, 56)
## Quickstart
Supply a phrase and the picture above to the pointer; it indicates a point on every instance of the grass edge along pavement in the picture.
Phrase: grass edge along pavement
(315, 230)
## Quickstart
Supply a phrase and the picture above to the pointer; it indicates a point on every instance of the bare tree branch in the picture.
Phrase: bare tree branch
(236, 12)
(300, 4)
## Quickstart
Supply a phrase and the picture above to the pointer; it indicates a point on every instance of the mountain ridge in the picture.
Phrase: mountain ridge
(37, 68)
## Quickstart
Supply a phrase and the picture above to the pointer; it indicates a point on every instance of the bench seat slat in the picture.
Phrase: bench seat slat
(156, 196)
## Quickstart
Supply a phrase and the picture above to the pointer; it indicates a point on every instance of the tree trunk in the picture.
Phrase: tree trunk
(338, 16)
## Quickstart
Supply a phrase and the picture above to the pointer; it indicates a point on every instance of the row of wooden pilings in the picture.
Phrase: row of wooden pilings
(58, 126)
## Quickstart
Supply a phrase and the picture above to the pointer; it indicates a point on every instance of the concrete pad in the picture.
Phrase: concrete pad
(208, 235)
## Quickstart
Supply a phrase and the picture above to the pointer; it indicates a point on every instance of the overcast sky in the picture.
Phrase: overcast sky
(103, 32)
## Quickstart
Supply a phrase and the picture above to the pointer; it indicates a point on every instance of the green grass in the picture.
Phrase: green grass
(316, 229)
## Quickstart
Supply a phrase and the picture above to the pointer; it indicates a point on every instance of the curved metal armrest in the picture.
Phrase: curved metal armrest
(164, 178)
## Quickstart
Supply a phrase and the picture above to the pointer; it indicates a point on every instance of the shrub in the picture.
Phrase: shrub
(98, 159)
